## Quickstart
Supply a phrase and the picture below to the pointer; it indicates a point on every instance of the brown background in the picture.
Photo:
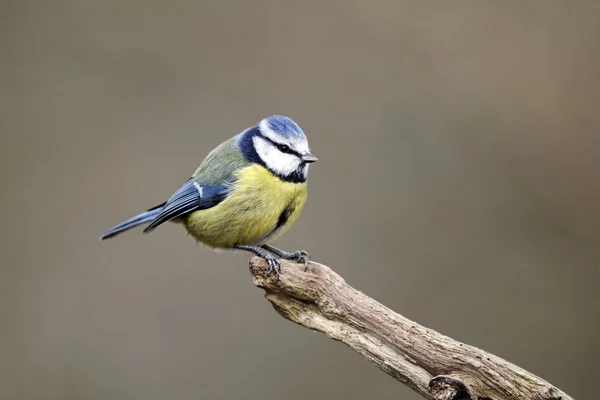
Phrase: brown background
(457, 183)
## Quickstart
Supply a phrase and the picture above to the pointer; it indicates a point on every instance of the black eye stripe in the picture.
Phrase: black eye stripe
(284, 148)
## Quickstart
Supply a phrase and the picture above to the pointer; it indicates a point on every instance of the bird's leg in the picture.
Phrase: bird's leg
(300, 256)
(269, 258)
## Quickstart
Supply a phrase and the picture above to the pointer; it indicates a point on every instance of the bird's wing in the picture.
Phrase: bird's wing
(209, 185)
(192, 196)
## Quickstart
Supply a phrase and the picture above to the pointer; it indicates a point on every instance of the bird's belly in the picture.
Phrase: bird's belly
(259, 208)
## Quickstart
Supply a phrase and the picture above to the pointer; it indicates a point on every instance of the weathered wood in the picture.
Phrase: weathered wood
(435, 366)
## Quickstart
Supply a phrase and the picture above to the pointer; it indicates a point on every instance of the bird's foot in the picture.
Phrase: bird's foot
(273, 265)
(300, 256)
(272, 262)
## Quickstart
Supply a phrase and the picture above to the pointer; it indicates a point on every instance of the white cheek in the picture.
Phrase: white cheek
(281, 163)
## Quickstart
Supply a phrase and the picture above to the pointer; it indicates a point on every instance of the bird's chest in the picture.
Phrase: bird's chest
(267, 206)
(260, 207)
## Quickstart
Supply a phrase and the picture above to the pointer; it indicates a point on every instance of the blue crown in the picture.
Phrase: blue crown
(285, 126)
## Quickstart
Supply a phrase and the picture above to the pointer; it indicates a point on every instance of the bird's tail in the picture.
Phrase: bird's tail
(133, 222)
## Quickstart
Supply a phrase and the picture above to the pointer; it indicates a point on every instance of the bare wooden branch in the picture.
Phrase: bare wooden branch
(435, 366)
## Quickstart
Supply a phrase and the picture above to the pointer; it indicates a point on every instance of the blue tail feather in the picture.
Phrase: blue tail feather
(133, 222)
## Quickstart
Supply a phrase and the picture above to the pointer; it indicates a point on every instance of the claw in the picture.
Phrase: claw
(304, 259)
(273, 266)
(264, 253)
(302, 256)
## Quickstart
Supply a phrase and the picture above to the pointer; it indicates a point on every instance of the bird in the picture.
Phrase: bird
(247, 192)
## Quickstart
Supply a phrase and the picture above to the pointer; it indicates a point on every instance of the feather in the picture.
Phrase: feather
(133, 222)
(190, 197)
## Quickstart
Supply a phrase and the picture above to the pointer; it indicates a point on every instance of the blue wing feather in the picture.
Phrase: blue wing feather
(190, 197)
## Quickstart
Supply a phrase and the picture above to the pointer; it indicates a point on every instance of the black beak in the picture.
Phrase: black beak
(309, 158)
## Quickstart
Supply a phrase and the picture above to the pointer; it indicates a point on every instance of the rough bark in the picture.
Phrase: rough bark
(435, 366)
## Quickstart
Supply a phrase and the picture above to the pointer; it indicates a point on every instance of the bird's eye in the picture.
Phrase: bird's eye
(283, 148)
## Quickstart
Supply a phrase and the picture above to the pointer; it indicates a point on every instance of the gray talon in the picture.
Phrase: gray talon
(300, 256)
(273, 266)
(303, 257)
(269, 258)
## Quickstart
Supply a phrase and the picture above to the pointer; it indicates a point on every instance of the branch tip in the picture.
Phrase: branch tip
(320, 300)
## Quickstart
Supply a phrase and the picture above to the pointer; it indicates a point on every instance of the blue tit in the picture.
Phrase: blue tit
(247, 192)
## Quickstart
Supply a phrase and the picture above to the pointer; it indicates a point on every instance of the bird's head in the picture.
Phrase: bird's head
(278, 144)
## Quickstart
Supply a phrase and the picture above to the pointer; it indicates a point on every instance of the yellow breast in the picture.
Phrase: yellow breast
(259, 208)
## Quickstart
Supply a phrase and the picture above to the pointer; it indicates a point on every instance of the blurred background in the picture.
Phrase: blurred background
(458, 183)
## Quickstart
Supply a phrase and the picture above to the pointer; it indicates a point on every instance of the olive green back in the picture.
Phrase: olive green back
(221, 163)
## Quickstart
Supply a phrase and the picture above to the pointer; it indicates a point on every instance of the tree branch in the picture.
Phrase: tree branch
(435, 366)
